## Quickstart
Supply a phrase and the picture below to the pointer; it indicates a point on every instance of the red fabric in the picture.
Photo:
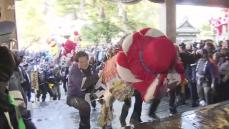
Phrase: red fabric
(76, 33)
(158, 53)
(133, 57)
(142, 87)
(219, 23)
(122, 59)
(144, 30)
(154, 55)
(69, 46)
(109, 70)
(220, 29)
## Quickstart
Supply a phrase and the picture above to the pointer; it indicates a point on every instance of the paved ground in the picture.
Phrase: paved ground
(214, 116)
(57, 115)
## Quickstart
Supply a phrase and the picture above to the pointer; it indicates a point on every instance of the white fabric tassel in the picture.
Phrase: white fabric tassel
(151, 89)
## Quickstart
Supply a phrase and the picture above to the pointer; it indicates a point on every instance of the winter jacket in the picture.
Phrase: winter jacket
(16, 90)
(8, 117)
(79, 83)
(26, 85)
(205, 71)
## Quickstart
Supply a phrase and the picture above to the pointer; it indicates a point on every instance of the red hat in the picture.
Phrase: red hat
(147, 57)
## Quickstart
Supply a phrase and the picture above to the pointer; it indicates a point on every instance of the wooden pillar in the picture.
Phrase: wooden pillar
(170, 7)
(162, 16)
(7, 11)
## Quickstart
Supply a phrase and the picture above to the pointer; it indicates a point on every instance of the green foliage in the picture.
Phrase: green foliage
(106, 20)
(206, 31)
(30, 22)
(67, 6)
(206, 27)
(142, 14)
(131, 26)
(100, 31)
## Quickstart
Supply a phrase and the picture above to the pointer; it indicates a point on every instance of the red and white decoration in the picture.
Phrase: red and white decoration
(69, 47)
(221, 22)
(149, 61)
(71, 44)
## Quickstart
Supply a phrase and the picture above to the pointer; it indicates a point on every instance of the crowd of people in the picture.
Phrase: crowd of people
(206, 69)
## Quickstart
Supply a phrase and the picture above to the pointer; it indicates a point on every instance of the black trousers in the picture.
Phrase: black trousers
(172, 97)
(56, 91)
(26, 115)
(136, 115)
(28, 94)
(223, 89)
(3, 121)
(84, 110)
(65, 81)
(153, 107)
(44, 89)
(92, 99)
(193, 92)
(12, 118)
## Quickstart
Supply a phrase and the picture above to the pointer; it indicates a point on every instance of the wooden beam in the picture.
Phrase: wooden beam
(7, 11)
(210, 3)
(170, 6)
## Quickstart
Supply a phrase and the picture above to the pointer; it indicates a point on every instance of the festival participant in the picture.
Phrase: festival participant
(150, 62)
(82, 79)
